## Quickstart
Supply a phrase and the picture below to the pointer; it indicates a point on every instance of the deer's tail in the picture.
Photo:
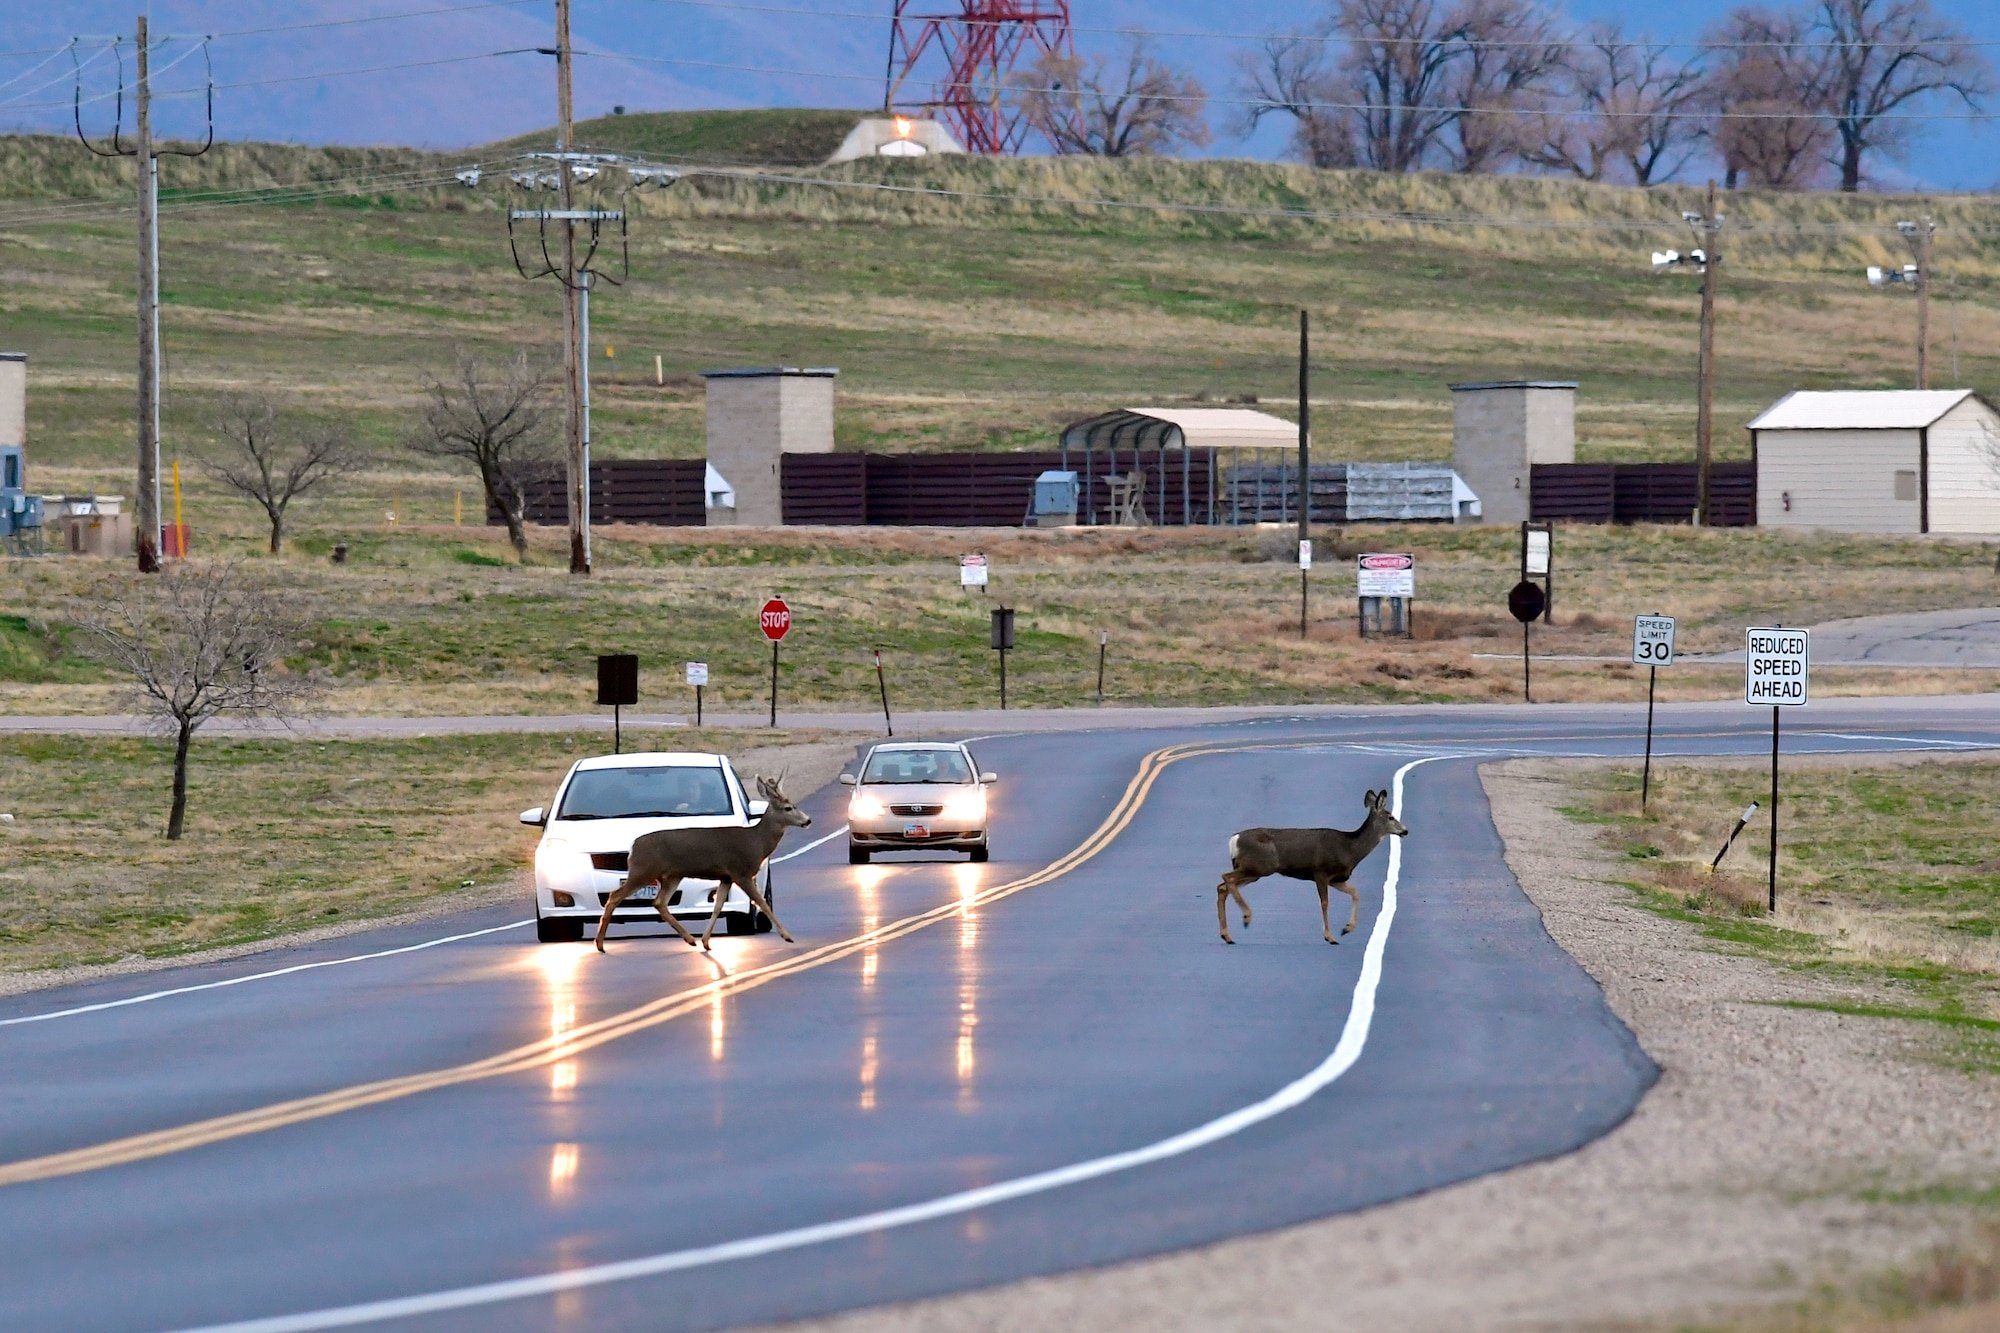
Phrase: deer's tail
(1232, 847)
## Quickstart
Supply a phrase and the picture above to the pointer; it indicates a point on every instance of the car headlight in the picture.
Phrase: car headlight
(864, 806)
(967, 807)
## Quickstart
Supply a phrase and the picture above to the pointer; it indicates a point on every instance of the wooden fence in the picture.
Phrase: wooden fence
(1642, 493)
(669, 492)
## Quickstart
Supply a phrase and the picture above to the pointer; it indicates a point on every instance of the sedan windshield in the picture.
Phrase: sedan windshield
(630, 793)
(916, 766)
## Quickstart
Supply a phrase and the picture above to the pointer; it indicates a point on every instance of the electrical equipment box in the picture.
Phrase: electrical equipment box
(1055, 500)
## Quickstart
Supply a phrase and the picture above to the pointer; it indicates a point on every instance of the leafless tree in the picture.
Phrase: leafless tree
(1511, 51)
(274, 457)
(1885, 56)
(1397, 71)
(1093, 107)
(1768, 97)
(1289, 76)
(199, 641)
(501, 422)
(1620, 104)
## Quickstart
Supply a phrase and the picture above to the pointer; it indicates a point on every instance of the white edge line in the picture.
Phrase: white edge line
(1353, 1038)
(259, 976)
(809, 846)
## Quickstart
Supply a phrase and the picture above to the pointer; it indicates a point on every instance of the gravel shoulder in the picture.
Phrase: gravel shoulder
(1741, 1184)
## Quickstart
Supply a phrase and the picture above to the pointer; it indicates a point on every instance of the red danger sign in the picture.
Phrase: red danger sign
(776, 620)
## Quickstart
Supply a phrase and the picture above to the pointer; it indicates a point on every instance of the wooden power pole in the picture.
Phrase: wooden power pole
(573, 348)
(1704, 429)
(146, 504)
(1920, 235)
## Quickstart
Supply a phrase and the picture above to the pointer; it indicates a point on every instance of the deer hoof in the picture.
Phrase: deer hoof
(787, 938)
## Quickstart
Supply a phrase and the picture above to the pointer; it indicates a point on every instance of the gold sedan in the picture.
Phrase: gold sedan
(917, 794)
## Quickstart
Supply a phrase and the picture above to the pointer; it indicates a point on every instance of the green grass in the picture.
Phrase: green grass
(776, 136)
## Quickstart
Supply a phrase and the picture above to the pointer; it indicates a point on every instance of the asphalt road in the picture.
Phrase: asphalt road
(960, 1075)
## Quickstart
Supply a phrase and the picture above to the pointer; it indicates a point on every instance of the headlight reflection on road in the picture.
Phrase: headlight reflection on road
(870, 1065)
(967, 877)
(562, 1170)
(868, 879)
(727, 954)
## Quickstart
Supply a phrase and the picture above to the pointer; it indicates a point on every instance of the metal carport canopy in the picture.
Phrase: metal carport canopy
(1181, 428)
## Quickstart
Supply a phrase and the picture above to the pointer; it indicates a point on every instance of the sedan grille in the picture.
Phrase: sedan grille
(916, 809)
(619, 861)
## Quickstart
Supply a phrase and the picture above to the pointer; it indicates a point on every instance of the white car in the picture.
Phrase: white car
(603, 804)
(917, 794)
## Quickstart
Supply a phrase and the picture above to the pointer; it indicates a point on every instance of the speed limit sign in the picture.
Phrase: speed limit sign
(1653, 640)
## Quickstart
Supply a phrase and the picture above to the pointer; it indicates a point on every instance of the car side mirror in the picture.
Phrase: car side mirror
(757, 809)
(847, 779)
(989, 777)
(537, 817)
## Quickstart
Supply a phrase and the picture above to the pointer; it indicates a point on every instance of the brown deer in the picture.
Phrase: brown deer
(1325, 856)
(725, 855)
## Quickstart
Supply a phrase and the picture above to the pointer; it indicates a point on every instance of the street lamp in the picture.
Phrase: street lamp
(1919, 234)
(1707, 227)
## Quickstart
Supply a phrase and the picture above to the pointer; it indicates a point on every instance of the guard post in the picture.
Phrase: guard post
(1002, 640)
(618, 687)
(1777, 667)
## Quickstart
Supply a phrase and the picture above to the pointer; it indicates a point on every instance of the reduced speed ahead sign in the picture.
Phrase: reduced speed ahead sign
(776, 621)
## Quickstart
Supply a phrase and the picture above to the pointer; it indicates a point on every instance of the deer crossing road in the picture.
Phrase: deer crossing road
(962, 1074)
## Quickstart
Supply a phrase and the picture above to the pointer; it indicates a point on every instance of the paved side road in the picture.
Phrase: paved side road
(1967, 638)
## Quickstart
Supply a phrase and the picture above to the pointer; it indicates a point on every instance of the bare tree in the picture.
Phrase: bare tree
(1397, 73)
(199, 641)
(1511, 49)
(502, 423)
(1620, 103)
(1147, 107)
(1768, 97)
(1289, 76)
(274, 457)
(1885, 56)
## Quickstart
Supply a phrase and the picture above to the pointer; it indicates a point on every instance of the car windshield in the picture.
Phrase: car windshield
(630, 793)
(916, 766)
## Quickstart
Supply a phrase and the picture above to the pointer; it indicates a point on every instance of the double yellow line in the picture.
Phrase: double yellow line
(549, 1050)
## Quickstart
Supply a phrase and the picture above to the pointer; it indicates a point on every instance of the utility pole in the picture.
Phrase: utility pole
(1920, 235)
(1704, 429)
(574, 349)
(146, 503)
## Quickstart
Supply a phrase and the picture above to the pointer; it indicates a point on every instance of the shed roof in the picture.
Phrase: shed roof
(1181, 428)
(771, 372)
(1859, 409)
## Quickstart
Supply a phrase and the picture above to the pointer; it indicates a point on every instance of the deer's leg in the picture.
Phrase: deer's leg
(722, 887)
(1242, 903)
(618, 895)
(1325, 925)
(667, 886)
(1353, 912)
(1228, 888)
(765, 908)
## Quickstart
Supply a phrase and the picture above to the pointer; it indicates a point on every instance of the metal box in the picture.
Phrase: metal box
(1055, 499)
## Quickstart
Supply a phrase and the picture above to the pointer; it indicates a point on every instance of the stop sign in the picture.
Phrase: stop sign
(776, 620)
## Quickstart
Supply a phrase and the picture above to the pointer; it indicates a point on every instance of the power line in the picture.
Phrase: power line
(297, 78)
(1329, 38)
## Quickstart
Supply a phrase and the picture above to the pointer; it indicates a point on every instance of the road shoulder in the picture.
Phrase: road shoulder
(1750, 1175)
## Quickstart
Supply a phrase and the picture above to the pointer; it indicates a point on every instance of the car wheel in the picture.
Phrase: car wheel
(856, 856)
(979, 854)
(739, 923)
(558, 929)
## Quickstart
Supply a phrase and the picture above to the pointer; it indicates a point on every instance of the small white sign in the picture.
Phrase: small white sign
(1776, 666)
(1653, 640)
(972, 571)
(697, 673)
(1386, 575)
(1535, 555)
(1305, 555)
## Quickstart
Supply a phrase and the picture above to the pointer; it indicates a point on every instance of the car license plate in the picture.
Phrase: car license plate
(916, 830)
(644, 895)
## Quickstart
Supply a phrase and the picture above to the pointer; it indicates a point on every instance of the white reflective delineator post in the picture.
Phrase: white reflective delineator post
(1777, 666)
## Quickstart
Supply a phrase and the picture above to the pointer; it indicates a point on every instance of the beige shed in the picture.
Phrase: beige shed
(1885, 460)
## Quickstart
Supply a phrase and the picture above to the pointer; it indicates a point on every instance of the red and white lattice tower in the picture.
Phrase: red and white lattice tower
(978, 47)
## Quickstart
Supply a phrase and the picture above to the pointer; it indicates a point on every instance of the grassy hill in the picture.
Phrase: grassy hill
(775, 136)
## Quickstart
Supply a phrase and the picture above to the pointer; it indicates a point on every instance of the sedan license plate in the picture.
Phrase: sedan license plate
(644, 895)
(916, 830)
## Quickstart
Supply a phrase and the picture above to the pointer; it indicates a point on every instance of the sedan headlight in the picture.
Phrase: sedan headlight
(966, 808)
(864, 806)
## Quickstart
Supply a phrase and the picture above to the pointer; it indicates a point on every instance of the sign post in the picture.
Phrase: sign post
(1391, 578)
(776, 622)
(1002, 640)
(1305, 568)
(618, 686)
(1777, 666)
(1652, 648)
(972, 572)
(697, 676)
(883, 681)
(1524, 602)
(1103, 642)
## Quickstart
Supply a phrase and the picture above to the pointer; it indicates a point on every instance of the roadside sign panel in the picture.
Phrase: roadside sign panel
(1653, 640)
(1305, 555)
(1535, 556)
(972, 571)
(1776, 666)
(1392, 575)
(697, 673)
(776, 620)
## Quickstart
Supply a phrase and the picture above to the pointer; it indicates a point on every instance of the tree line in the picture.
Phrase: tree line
(1773, 97)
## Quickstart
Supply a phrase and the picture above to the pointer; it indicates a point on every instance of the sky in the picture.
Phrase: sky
(446, 88)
